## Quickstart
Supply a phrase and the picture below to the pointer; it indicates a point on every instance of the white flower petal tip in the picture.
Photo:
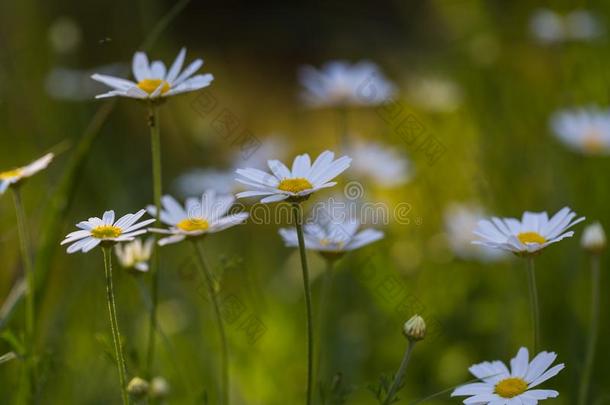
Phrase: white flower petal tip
(293, 184)
(135, 255)
(534, 232)
(197, 217)
(153, 81)
(18, 174)
(106, 230)
(501, 385)
(584, 130)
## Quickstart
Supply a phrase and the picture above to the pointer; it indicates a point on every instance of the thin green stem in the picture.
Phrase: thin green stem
(114, 323)
(224, 389)
(155, 142)
(327, 281)
(310, 336)
(400, 375)
(26, 254)
(533, 293)
(588, 369)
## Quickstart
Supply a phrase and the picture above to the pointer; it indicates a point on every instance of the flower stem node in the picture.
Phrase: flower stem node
(594, 238)
(415, 329)
(138, 387)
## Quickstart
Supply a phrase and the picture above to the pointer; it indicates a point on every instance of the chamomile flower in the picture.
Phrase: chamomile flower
(533, 233)
(585, 130)
(136, 254)
(297, 184)
(332, 231)
(97, 230)
(339, 83)
(198, 217)
(382, 164)
(501, 386)
(154, 81)
(16, 175)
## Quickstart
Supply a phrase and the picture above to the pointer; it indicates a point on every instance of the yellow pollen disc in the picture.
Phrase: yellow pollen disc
(106, 231)
(295, 185)
(592, 143)
(531, 237)
(510, 387)
(193, 224)
(150, 85)
(9, 174)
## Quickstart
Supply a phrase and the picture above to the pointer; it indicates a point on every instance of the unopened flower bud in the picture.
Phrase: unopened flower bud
(415, 329)
(159, 388)
(137, 387)
(594, 238)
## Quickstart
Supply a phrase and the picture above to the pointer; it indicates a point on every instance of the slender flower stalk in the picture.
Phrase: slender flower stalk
(298, 217)
(327, 282)
(26, 254)
(533, 293)
(224, 389)
(114, 324)
(155, 142)
(400, 374)
(585, 380)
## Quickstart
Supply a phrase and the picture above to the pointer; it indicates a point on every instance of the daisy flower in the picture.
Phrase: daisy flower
(198, 217)
(95, 231)
(14, 176)
(331, 233)
(533, 233)
(585, 130)
(297, 184)
(339, 83)
(135, 254)
(501, 386)
(382, 164)
(154, 81)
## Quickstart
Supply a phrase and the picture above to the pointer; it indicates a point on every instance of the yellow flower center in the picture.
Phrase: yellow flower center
(9, 174)
(531, 237)
(106, 231)
(150, 85)
(510, 387)
(592, 142)
(193, 224)
(327, 242)
(295, 185)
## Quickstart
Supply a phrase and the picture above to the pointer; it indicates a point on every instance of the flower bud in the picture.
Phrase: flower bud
(159, 388)
(137, 387)
(415, 329)
(593, 238)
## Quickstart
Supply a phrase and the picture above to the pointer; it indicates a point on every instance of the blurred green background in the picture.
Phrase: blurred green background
(500, 154)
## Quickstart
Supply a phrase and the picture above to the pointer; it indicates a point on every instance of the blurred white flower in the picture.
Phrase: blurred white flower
(65, 35)
(135, 254)
(533, 233)
(198, 217)
(384, 165)
(97, 230)
(154, 81)
(550, 27)
(593, 238)
(196, 181)
(501, 386)
(256, 155)
(75, 85)
(339, 83)
(435, 94)
(460, 222)
(16, 175)
(585, 130)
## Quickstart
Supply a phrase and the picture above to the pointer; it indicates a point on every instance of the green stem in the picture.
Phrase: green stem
(588, 369)
(310, 336)
(114, 323)
(400, 374)
(24, 242)
(224, 389)
(155, 142)
(327, 281)
(533, 293)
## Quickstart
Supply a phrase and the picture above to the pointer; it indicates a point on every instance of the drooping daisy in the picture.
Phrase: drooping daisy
(95, 231)
(333, 230)
(198, 217)
(339, 83)
(585, 130)
(14, 176)
(533, 233)
(154, 81)
(136, 254)
(296, 184)
(549, 27)
(382, 164)
(501, 386)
